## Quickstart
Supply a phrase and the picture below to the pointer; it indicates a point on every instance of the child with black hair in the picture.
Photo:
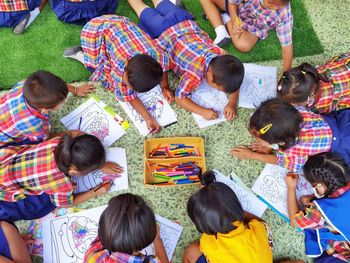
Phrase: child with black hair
(248, 21)
(193, 56)
(25, 108)
(124, 59)
(127, 226)
(46, 168)
(326, 218)
(295, 133)
(323, 88)
(229, 234)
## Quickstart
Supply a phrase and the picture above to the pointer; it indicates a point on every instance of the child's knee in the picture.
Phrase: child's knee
(191, 253)
(242, 46)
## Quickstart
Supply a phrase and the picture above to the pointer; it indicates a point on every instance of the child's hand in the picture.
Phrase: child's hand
(84, 90)
(210, 114)
(229, 112)
(242, 152)
(257, 147)
(237, 26)
(112, 168)
(291, 180)
(168, 95)
(101, 189)
(153, 125)
(306, 199)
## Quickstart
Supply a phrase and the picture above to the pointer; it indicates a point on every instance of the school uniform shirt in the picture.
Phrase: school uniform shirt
(96, 253)
(259, 20)
(335, 94)
(313, 219)
(31, 170)
(190, 51)
(315, 137)
(244, 244)
(108, 43)
(19, 121)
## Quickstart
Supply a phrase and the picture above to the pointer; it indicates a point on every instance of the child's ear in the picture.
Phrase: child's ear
(44, 111)
(73, 171)
(210, 77)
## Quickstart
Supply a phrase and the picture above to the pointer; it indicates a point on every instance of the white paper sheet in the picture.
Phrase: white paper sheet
(95, 120)
(259, 84)
(170, 233)
(209, 98)
(89, 181)
(271, 186)
(248, 199)
(67, 238)
(156, 105)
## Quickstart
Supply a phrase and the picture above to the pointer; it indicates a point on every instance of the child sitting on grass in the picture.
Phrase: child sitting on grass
(193, 56)
(251, 20)
(25, 108)
(323, 88)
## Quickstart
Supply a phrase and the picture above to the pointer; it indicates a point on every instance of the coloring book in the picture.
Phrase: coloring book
(259, 84)
(93, 179)
(156, 105)
(96, 118)
(209, 98)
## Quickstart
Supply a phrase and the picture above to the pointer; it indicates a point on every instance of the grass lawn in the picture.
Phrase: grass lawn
(42, 45)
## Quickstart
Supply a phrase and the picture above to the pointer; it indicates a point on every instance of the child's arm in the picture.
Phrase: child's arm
(83, 90)
(243, 152)
(97, 191)
(159, 248)
(287, 55)
(230, 108)
(237, 27)
(151, 123)
(189, 105)
(167, 93)
(291, 182)
(249, 216)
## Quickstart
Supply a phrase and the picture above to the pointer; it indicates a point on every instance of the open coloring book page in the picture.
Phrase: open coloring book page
(259, 84)
(170, 233)
(248, 199)
(93, 179)
(92, 118)
(156, 105)
(67, 238)
(209, 98)
(271, 187)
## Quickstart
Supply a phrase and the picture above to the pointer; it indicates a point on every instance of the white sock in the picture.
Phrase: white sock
(221, 33)
(225, 18)
(33, 15)
(80, 57)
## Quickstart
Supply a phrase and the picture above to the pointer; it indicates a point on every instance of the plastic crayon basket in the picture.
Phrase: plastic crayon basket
(154, 143)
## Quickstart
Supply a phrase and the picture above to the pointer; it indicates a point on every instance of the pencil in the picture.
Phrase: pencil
(80, 120)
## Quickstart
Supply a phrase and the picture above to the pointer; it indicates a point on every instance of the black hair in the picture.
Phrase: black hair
(207, 178)
(43, 89)
(143, 72)
(328, 168)
(297, 84)
(214, 208)
(127, 225)
(228, 71)
(85, 152)
(285, 120)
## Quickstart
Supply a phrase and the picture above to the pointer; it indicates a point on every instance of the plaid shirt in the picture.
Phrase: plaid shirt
(98, 254)
(190, 50)
(315, 137)
(258, 20)
(13, 5)
(19, 121)
(335, 94)
(32, 170)
(108, 42)
(312, 218)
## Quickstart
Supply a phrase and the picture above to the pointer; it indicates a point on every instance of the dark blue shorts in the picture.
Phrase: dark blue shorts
(325, 258)
(201, 259)
(155, 21)
(4, 246)
(11, 19)
(82, 12)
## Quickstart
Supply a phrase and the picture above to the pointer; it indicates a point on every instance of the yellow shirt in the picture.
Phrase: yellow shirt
(245, 244)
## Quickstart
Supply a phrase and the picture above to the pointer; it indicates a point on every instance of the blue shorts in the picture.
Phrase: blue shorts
(82, 12)
(32, 207)
(11, 19)
(201, 259)
(325, 258)
(155, 21)
(4, 246)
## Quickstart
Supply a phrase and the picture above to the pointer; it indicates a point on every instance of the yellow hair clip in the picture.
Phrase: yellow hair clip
(263, 130)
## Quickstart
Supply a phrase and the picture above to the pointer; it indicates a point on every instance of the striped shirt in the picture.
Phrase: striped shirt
(190, 51)
(31, 170)
(13, 5)
(19, 121)
(108, 42)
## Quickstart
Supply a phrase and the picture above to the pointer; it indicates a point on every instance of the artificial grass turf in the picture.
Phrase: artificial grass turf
(42, 45)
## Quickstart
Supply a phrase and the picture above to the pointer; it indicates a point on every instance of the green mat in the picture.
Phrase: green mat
(42, 45)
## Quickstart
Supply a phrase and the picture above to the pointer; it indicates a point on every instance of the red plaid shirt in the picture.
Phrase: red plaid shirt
(31, 170)
(312, 218)
(13, 5)
(335, 94)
